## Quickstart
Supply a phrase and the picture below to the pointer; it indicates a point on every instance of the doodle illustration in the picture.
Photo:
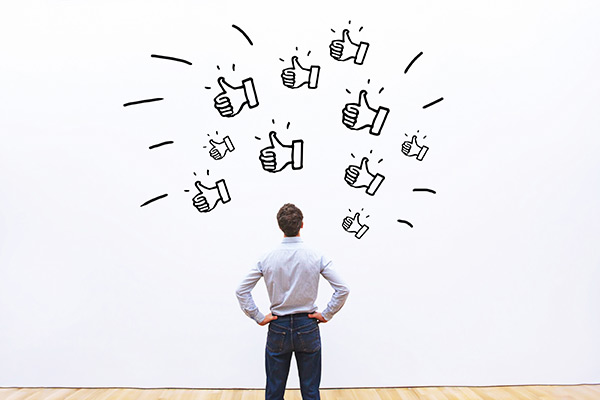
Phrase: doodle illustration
(231, 100)
(360, 115)
(208, 197)
(359, 177)
(353, 225)
(297, 76)
(412, 149)
(277, 156)
(346, 49)
(219, 149)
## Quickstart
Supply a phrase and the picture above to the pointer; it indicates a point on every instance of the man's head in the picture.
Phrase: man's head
(289, 219)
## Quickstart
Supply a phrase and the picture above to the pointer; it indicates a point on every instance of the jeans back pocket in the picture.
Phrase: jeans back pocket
(275, 339)
(309, 341)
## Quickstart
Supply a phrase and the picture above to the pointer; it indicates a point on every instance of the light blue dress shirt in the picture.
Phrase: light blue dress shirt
(291, 273)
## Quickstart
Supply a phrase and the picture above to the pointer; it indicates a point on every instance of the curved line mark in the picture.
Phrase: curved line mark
(243, 33)
(154, 199)
(171, 58)
(433, 102)
(142, 101)
(424, 190)
(160, 144)
(413, 60)
(405, 222)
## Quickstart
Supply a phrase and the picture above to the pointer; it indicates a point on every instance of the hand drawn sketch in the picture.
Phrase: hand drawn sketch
(297, 75)
(359, 177)
(353, 225)
(346, 49)
(208, 197)
(412, 149)
(361, 115)
(219, 149)
(230, 101)
(277, 156)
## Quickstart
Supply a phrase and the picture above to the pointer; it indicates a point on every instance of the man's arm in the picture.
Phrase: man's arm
(245, 297)
(341, 290)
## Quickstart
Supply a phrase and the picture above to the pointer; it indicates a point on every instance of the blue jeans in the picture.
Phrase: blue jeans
(299, 334)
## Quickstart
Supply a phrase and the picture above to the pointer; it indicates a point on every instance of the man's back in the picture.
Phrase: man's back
(292, 273)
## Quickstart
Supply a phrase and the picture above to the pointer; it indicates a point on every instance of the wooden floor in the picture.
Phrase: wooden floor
(579, 392)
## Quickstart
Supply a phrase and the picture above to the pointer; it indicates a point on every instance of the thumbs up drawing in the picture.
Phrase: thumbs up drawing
(297, 76)
(412, 149)
(232, 98)
(359, 177)
(219, 149)
(361, 115)
(277, 156)
(346, 49)
(353, 225)
(208, 197)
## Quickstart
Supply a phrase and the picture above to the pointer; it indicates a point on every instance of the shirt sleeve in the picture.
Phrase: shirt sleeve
(341, 290)
(245, 297)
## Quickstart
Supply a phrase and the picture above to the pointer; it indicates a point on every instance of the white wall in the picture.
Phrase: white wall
(497, 283)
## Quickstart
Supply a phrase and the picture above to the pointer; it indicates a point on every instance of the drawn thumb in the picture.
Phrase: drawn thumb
(274, 140)
(200, 187)
(296, 63)
(414, 140)
(362, 99)
(363, 164)
(356, 217)
(223, 84)
(346, 36)
(212, 142)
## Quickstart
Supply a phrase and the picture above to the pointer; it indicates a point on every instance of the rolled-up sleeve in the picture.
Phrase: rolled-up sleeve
(244, 294)
(340, 288)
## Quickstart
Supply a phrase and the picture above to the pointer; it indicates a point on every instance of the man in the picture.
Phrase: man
(291, 273)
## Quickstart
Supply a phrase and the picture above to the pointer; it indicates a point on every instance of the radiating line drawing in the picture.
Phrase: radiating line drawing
(433, 102)
(232, 98)
(160, 144)
(208, 197)
(277, 156)
(412, 62)
(243, 33)
(424, 190)
(353, 225)
(171, 58)
(360, 177)
(345, 49)
(142, 101)
(412, 149)
(405, 222)
(219, 149)
(162, 196)
(361, 115)
(297, 75)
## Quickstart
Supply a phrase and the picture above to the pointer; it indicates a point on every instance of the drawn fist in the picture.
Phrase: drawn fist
(277, 156)
(232, 98)
(358, 177)
(353, 225)
(346, 49)
(297, 76)
(361, 115)
(412, 149)
(219, 149)
(208, 197)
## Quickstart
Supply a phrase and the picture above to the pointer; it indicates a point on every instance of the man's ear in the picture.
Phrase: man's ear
(302, 225)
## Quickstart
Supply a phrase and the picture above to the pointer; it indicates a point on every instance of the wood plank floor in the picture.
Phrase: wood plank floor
(577, 392)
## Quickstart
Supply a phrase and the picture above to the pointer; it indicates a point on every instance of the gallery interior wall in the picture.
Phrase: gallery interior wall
(488, 277)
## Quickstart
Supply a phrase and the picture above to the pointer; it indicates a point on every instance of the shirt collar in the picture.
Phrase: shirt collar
(295, 239)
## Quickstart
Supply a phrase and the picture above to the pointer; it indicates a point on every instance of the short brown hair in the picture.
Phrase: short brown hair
(289, 219)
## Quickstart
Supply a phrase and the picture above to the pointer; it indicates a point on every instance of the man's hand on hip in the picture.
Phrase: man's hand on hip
(268, 318)
(317, 316)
